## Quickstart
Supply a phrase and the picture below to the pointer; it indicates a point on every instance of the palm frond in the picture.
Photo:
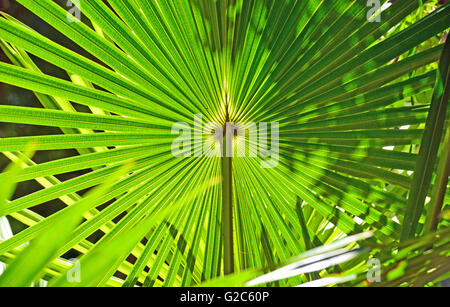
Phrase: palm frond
(349, 99)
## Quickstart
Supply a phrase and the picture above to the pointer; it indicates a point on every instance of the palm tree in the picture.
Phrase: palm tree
(358, 96)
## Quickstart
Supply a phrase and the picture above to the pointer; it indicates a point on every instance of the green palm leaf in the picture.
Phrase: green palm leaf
(338, 86)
